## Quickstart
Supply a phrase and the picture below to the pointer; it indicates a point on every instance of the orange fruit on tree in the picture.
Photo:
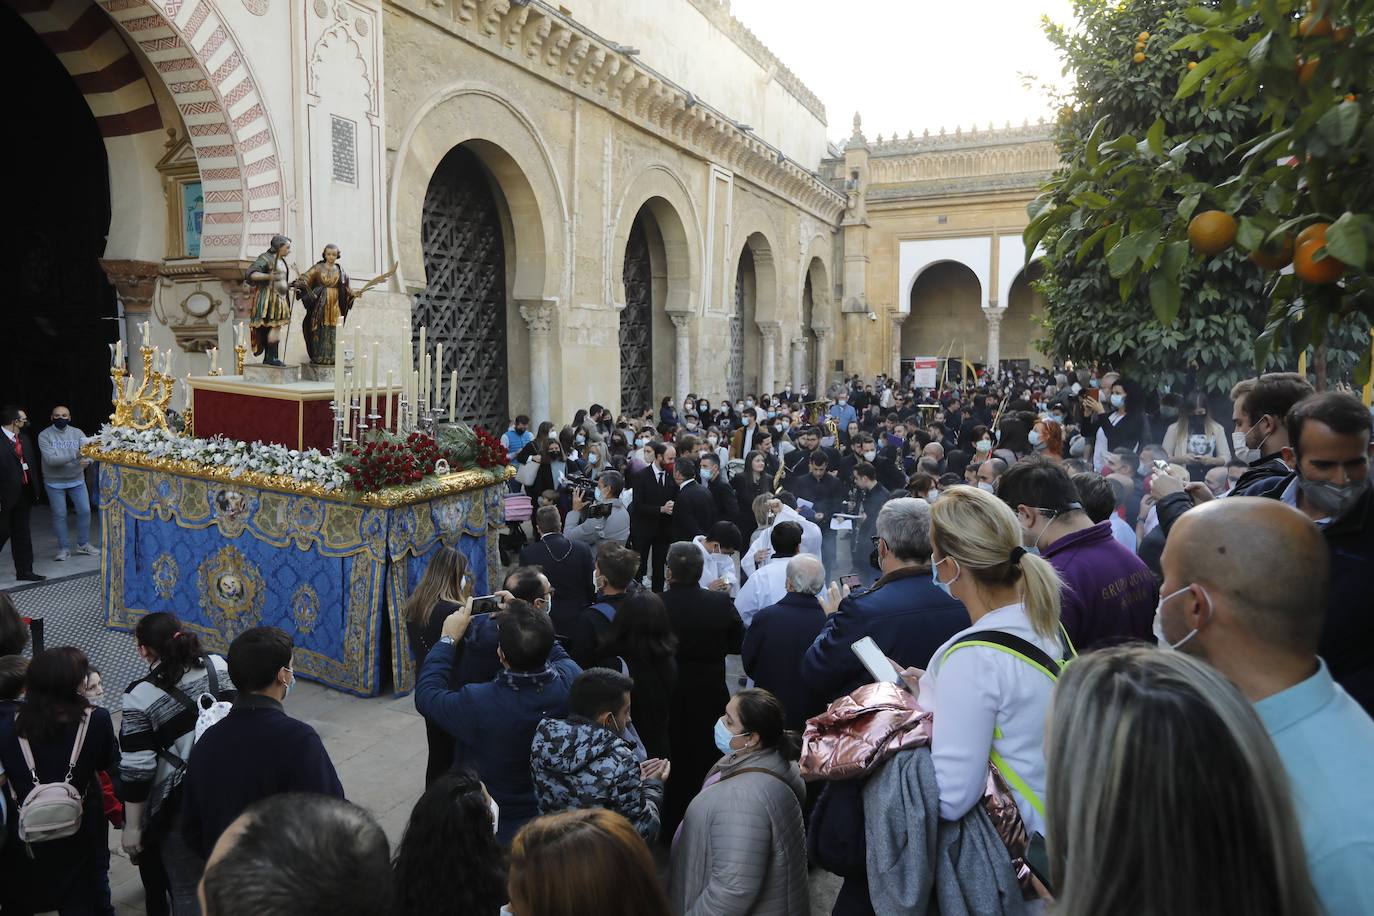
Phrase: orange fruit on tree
(1270, 257)
(1305, 265)
(1307, 69)
(1139, 57)
(1143, 36)
(1192, 65)
(1140, 46)
(1314, 231)
(1341, 34)
(1315, 26)
(1212, 231)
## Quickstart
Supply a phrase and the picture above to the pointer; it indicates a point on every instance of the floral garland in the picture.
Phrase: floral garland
(304, 466)
(381, 462)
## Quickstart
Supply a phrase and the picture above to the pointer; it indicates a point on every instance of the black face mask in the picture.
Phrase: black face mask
(61, 422)
(873, 560)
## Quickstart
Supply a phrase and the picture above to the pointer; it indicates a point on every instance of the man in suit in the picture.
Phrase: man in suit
(826, 494)
(694, 511)
(707, 629)
(651, 512)
(566, 563)
(18, 458)
(713, 479)
(873, 496)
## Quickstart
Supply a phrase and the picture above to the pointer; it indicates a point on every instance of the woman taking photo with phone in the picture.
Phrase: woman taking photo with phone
(442, 590)
(990, 685)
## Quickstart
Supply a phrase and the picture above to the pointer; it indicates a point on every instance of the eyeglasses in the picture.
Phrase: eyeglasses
(875, 539)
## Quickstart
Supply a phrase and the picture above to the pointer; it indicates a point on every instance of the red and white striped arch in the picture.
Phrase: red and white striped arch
(203, 67)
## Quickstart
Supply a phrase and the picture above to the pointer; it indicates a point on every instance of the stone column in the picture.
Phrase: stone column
(895, 368)
(136, 283)
(798, 363)
(822, 357)
(769, 373)
(994, 317)
(682, 356)
(539, 318)
(855, 326)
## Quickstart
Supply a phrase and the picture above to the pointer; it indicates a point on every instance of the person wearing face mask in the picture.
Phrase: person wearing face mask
(589, 759)
(1126, 425)
(904, 612)
(722, 494)
(651, 511)
(666, 413)
(256, 750)
(1196, 440)
(742, 848)
(1264, 633)
(742, 440)
(718, 445)
(694, 510)
(1330, 434)
(989, 472)
(872, 497)
(1109, 594)
(842, 411)
(494, 723)
(64, 477)
(567, 565)
(1259, 409)
(605, 521)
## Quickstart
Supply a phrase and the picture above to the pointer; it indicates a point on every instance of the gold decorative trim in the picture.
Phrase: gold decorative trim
(428, 489)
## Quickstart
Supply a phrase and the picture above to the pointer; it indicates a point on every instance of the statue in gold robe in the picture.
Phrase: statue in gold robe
(328, 299)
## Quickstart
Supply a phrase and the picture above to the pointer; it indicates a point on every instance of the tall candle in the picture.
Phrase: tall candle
(387, 394)
(214, 358)
(119, 353)
(376, 376)
(414, 393)
(438, 376)
(424, 376)
(452, 394)
(144, 328)
(238, 335)
(362, 388)
(189, 391)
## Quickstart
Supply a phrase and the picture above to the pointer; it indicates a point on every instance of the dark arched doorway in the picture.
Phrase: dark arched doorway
(636, 323)
(464, 302)
(60, 309)
(946, 316)
(744, 284)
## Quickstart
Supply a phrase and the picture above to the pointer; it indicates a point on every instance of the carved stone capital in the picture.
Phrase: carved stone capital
(798, 344)
(681, 321)
(821, 331)
(994, 315)
(770, 331)
(232, 275)
(538, 316)
(135, 281)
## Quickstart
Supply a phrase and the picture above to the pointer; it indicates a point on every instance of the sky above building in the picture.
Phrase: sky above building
(909, 65)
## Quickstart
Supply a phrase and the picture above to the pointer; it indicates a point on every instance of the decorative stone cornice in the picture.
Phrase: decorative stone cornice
(551, 45)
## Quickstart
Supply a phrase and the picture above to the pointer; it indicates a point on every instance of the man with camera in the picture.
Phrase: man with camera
(598, 516)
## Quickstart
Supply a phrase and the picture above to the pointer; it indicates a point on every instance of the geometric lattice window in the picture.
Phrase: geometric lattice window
(343, 145)
(464, 302)
(734, 374)
(636, 324)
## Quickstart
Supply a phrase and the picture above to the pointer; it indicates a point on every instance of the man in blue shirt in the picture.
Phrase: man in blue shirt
(842, 411)
(517, 437)
(494, 723)
(1244, 579)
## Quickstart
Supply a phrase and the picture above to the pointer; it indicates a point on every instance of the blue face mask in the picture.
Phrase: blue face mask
(723, 737)
(935, 576)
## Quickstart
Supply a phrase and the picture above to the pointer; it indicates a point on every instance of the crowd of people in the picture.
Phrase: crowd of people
(1048, 642)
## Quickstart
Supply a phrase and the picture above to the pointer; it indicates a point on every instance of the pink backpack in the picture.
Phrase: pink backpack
(52, 810)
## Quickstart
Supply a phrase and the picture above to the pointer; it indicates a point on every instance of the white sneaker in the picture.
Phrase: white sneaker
(63, 555)
(87, 550)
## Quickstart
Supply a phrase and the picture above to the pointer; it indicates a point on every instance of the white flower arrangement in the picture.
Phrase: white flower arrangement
(309, 466)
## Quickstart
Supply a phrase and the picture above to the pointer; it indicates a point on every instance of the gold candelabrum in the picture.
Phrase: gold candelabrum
(144, 407)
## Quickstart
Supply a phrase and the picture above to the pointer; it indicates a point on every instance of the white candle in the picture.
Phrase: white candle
(189, 391)
(214, 359)
(376, 375)
(452, 394)
(171, 363)
(237, 336)
(414, 392)
(387, 394)
(119, 353)
(144, 328)
(362, 390)
(424, 376)
(438, 376)
(114, 356)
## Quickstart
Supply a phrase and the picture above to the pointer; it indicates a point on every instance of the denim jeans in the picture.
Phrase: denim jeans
(184, 869)
(57, 503)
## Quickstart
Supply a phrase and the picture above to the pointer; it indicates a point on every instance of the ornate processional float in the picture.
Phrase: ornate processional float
(308, 504)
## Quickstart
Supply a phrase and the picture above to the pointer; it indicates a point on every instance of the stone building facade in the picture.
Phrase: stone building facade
(614, 202)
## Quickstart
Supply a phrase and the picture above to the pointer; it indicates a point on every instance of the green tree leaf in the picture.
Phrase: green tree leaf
(1346, 240)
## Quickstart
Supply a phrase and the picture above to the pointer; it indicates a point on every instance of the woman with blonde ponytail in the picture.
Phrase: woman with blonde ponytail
(990, 685)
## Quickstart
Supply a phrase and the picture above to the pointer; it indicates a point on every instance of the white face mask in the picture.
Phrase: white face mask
(986, 487)
(495, 810)
(870, 455)
(713, 439)
(1159, 619)
(1238, 446)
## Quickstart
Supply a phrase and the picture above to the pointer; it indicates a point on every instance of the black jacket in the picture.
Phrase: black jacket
(11, 474)
(727, 507)
(774, 644)
(694, 511)
(1347, 640)
(1261, 469)
(568, 565)
(870, 505)
(647, 523)
(255, 751)
(824, 494)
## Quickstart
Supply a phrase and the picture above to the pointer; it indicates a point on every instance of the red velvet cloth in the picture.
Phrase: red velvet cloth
(252, 417)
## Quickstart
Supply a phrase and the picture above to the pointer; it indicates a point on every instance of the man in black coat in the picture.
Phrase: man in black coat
(873, 495)
(825, 492)
(707, 628)
(566, 563)
(256, 750)
(651, 512)
(722, 494)
(694, 511)
(18, 461)
(779, 636)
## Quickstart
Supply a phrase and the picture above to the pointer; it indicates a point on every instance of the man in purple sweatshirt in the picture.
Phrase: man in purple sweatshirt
(1109, 593)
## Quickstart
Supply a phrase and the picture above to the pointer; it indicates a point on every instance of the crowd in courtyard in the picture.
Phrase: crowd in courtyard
(1054, 641)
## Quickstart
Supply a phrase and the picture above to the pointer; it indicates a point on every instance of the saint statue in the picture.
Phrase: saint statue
(328, 298)
(271, 300)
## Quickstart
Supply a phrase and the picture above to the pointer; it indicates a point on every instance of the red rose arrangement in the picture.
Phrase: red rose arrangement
(389, 461)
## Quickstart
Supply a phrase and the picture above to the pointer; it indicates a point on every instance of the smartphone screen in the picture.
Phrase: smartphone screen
(1038, 859)
(876, 662)
(851, 581)
(484, 604)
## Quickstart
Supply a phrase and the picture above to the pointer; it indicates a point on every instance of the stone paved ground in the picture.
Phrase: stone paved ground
(377, 744)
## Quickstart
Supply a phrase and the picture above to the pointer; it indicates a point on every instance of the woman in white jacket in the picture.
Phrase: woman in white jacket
(990, 685)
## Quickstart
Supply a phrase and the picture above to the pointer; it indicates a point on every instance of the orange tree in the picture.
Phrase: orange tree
(1158, 255)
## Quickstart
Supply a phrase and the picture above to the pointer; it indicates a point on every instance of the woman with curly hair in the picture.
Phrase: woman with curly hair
(448, 861)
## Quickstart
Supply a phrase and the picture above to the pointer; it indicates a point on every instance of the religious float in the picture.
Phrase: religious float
(308, 504)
